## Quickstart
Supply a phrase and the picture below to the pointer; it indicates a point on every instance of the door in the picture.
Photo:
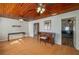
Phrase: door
(36, 29)
(68, 32)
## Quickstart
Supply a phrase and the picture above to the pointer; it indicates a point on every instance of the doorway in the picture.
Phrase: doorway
(68, 33)
(36, 29)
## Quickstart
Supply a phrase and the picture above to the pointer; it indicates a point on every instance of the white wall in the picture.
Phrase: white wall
(6, 27)
(30, 28)
(56, 26)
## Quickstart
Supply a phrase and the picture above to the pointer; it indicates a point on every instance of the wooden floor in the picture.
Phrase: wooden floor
(68, 41)
(32, 46)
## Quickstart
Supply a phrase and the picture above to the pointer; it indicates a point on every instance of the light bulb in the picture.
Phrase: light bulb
(43, 9)
(38, 9)
(41, 12)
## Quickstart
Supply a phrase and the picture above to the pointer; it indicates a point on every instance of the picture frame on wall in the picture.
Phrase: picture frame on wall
(16, 25)
(47, 25)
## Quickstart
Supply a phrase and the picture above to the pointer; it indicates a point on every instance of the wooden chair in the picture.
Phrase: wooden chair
(46, 37)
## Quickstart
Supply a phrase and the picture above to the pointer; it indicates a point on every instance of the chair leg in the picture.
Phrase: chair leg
(45, 43)
(40, 42)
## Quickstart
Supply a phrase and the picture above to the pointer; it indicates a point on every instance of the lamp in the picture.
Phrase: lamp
(40, 8)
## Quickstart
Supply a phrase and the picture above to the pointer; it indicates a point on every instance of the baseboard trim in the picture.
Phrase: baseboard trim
(4, 40)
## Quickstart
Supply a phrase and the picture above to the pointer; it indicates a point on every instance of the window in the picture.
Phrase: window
(67, 28)
(47, 25)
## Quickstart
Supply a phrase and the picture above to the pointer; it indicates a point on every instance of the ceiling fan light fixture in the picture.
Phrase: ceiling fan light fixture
(40, 9)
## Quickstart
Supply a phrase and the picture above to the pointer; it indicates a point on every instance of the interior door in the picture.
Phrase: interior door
(36, 29)
(68, 32)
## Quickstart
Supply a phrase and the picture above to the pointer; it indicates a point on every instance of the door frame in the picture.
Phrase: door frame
(36, 24)
(74, 30)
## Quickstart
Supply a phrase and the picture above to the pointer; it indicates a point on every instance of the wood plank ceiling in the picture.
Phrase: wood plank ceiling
(27, 11)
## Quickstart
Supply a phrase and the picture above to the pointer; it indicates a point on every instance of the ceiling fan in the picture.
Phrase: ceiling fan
(42, 8)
